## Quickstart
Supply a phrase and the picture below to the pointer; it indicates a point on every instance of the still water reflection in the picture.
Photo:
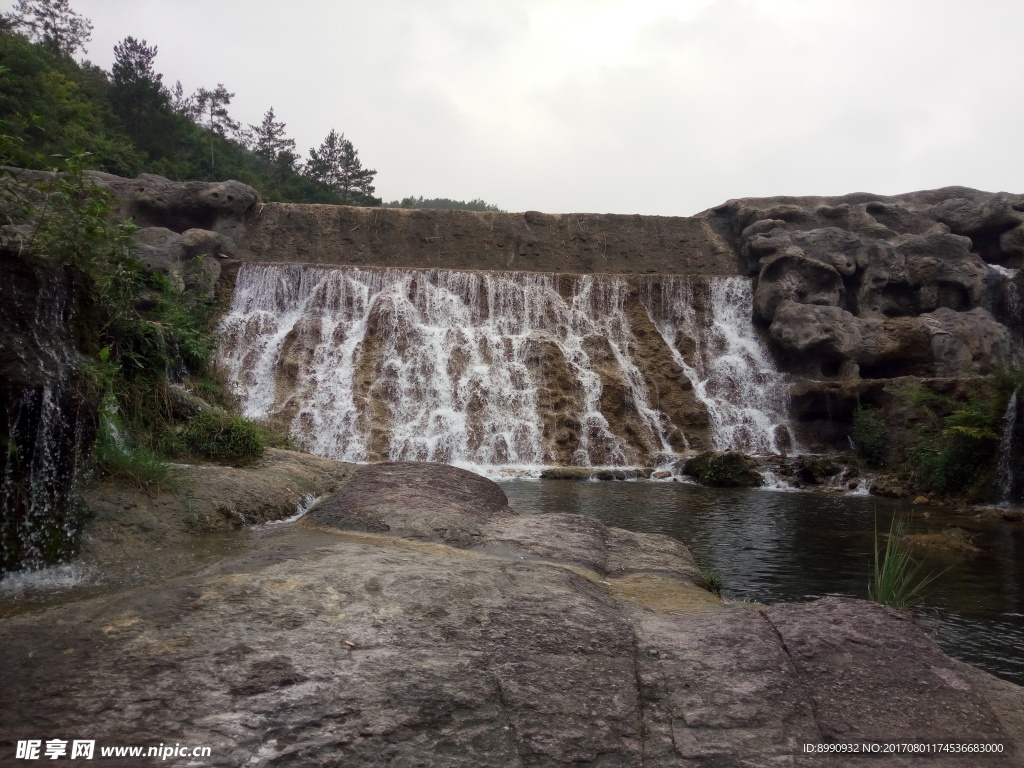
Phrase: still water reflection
(772, 547)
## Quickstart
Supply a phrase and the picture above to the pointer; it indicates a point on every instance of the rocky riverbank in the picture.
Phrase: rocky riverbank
(415, 619)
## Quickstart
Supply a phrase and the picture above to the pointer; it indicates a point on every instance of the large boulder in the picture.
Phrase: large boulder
(724, 469)
(417, 500)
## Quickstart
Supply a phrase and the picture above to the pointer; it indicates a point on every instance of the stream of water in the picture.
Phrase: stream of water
(775, 547)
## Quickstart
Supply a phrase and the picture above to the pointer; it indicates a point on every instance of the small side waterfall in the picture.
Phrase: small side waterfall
(706, 323)
(1007, 467)
(1003, 299)
(497, 369)
(46, 416)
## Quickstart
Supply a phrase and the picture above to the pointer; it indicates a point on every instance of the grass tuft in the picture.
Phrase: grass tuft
(896, 581)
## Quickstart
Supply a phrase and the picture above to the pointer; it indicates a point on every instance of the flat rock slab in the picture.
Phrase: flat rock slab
(365, 648)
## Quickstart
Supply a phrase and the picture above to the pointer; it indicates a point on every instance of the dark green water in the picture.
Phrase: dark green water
(773, 547)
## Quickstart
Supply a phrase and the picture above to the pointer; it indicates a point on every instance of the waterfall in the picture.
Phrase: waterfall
(706, 322)
(1003, 300)
(45, 419)
(1006, 468)
(491, 369)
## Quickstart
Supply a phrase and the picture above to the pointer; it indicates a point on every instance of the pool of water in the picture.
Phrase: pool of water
(771, 547)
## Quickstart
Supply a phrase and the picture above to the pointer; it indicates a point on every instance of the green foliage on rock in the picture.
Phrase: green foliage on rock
(218, 435)
(152, 344)
(952, 451)
(870, 434)
(712, 581)
(725, 469)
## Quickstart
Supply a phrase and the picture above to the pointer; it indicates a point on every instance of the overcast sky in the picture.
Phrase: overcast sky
(644, 106)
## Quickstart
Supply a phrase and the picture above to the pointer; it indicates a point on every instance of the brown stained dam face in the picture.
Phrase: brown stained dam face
(579, 243)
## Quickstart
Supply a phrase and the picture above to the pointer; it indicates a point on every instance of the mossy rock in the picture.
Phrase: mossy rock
(724, 469)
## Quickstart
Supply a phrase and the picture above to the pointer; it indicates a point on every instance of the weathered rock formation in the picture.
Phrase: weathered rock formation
(186, 229)
(551, 640)
(153, 201)
(879, 286)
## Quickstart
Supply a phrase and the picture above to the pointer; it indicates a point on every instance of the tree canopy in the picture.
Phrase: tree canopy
(127, 121)
(336, 164)
(52, 23)
(444, 204)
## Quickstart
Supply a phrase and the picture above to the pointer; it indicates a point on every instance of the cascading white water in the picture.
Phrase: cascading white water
(1006, 466)
(1004, 301)
(465, 367)
(729, 366)
(451, 360)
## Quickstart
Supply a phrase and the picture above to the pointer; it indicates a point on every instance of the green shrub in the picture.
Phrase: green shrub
(954, 453)
(870, 434)
(117, 456)
(218, 435)
(713, 581)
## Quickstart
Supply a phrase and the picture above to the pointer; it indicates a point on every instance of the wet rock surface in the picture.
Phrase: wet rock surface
(556, 642)
(48, 410)
(202, 499)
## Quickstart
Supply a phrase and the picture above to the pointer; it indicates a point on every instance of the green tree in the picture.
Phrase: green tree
(53, 23)
(268, 141)
(138, 96)
(182, 104)
(444, 203)
(212, 106)
(336, 164)
(53, 109)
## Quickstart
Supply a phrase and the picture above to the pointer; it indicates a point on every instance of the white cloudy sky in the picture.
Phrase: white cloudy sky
(645, 106)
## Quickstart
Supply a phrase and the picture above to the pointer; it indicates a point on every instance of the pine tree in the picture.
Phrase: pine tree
(182, 104)
(336, 164)
(52, 22)
(267, 140)
(212, 107)
(138, 96)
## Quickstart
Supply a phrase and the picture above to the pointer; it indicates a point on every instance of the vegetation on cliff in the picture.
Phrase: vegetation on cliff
(129, 122)
(122, 378)
(943, 443)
